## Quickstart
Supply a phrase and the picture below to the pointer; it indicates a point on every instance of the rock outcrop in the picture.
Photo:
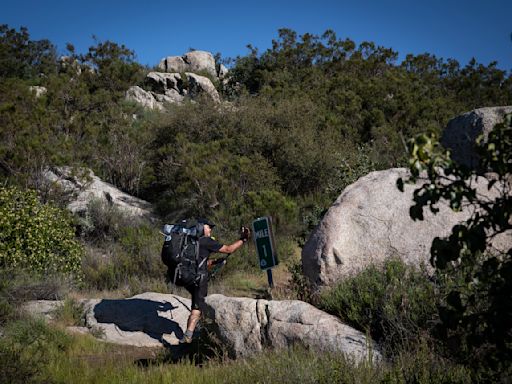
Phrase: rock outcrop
(68, 63)
(461, 132)
(83, 186)
(164, 88)
(245, 326)
(370, 222)
(181, 77)
(38, 90)
(194, 61)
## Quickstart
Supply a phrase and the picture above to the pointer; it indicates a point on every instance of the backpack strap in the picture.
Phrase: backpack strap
(176, 274)
(197, 256)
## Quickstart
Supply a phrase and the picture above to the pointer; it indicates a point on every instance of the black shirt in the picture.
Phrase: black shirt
(206, 246)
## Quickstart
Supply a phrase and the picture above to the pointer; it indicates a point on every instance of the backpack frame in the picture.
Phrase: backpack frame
(180, 252)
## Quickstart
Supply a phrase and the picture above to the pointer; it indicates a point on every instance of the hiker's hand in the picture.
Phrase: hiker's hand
(212, 263)
(244, 234)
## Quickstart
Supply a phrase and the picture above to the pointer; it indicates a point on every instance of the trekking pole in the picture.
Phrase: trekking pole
(217, 266)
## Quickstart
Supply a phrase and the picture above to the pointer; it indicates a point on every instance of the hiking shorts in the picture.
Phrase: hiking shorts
(199, 293)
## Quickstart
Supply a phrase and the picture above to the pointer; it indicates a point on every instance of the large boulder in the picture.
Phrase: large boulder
(83, 186)
(246, 326)
(173, 64)
(143, 98)
(161, 82)
(194, 61)
(199, 61)
(200, 85)
(370, 222)
(461, 132)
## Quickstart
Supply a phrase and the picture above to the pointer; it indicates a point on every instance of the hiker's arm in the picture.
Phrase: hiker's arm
(232, 247)
(244, 236)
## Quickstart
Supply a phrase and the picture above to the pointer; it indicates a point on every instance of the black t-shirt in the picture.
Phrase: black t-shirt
(206, 246)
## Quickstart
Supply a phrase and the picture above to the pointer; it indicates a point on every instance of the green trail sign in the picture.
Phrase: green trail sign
(264, 241)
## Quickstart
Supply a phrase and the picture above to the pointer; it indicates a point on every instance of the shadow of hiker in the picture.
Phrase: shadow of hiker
(138, 315)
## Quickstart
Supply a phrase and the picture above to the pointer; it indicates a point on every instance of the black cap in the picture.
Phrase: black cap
(205, 221)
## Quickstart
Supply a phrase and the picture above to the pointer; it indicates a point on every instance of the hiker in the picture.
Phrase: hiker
(207, 245)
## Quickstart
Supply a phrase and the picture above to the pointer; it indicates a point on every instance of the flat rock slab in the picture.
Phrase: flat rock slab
(42, 308)
(145, 320)
(244, 325)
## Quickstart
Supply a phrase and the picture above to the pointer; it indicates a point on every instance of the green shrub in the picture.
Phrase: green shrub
(36, 237)
(131, 261)
(281, 208)
(103, 222)
(19, 286)
(394, 303)
(299, 283)
(422, 365)
(15, 368)
(141, 246)
(70, 313)
(6, 310)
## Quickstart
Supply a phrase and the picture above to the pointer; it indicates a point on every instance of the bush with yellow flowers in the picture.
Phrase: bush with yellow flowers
(36, 237)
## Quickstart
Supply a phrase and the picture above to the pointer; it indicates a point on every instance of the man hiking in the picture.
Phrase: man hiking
(207, 245)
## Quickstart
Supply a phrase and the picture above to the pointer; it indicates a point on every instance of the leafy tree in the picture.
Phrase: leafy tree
(23, 58)
(476, 315)
(114, 65)
(477, 82)
(206, 177)
(394, 302)
(26, 143)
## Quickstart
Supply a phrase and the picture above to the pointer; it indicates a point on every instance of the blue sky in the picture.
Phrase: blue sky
(154, 29)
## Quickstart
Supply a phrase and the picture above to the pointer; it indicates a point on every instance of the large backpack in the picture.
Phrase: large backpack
(180, 252)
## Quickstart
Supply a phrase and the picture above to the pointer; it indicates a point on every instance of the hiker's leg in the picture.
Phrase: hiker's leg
(198, 304)
(193, 319)
(195, 310)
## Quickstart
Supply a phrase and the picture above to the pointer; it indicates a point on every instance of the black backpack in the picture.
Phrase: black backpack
(180, 252)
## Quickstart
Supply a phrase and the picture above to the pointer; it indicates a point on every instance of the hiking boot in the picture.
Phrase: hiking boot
(186, 339)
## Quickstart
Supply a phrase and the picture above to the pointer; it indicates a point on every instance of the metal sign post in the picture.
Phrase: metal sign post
(265, 245)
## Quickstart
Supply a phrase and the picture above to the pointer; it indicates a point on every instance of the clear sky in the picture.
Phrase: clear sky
(459, 29)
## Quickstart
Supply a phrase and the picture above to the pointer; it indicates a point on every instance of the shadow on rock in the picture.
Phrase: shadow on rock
(138, 315)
